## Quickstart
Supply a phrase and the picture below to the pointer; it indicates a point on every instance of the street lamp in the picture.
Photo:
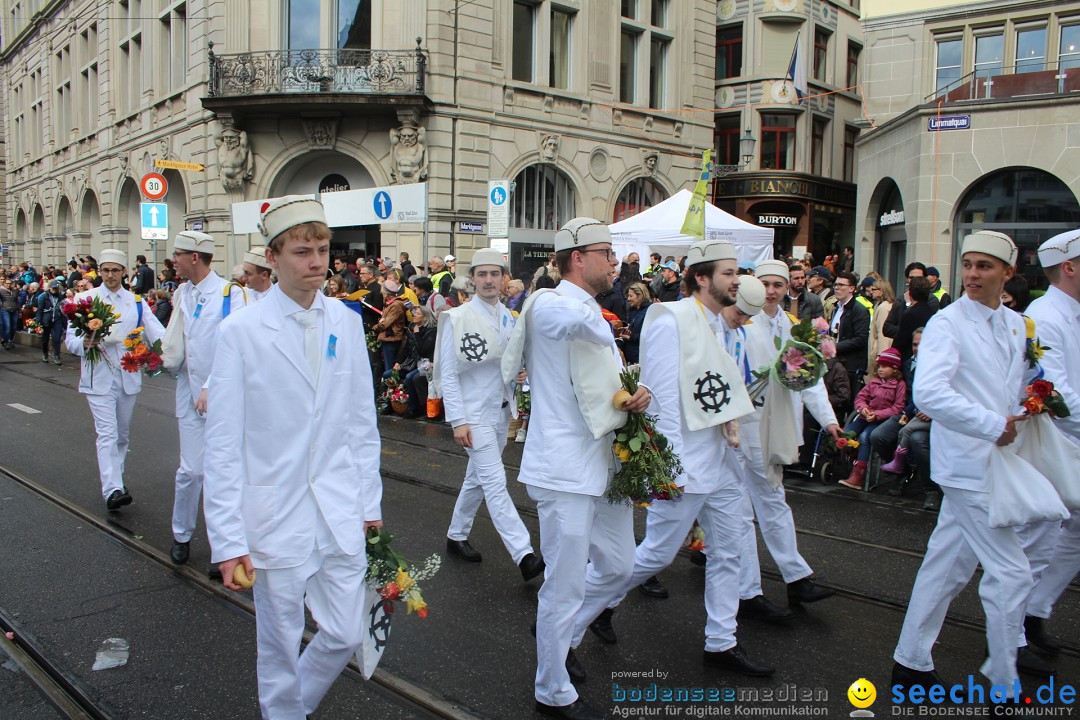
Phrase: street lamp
(746, 149)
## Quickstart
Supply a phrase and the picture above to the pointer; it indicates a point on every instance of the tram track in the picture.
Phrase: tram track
(64, 689)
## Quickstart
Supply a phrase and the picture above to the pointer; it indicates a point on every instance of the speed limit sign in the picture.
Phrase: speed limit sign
(154, 186)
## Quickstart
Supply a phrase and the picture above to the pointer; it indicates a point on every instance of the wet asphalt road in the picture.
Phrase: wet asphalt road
(192, 655)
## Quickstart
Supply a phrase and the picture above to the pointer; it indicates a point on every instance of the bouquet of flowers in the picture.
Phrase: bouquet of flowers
(393, 577)
(1042, 397)
(695, 539)
(846, 442)
(523, 398)
(1033, 350)
(373, 344)
(648, 465)
(801, 362)
(33, 326)
(140, 355)
(92, 318)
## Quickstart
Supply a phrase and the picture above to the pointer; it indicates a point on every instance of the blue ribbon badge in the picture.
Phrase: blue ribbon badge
(198, 310)
(331, 347)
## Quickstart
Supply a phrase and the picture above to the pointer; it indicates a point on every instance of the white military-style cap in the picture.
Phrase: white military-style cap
(257, 257)
(112, 255)
(704, 251)
(751, 296)
(488, 256)
(1060, 248)
(991, 243)
(581, 231)
(773, 267)
(193, 241)
(289, 211)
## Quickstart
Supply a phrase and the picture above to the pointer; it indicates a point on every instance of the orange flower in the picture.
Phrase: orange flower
(129, 363)
(94, 324)
(422, 612)
(140, 350)
(1034, 405)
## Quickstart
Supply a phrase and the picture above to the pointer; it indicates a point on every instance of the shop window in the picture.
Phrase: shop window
(638, 194)
(729, 52)
(543, 199)
(777, 142)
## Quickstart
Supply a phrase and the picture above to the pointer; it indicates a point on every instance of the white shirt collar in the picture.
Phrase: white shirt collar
(291, 307)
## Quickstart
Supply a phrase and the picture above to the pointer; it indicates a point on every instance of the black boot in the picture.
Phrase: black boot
(736, 660)
(653, 588)
(1037, 636)
(904, 676)
(602, 628)
(1031, 664)
(806, 591)
(463, 550)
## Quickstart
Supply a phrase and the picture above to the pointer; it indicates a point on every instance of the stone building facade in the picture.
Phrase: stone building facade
(589, 107)
(800, 180)
(973, 113)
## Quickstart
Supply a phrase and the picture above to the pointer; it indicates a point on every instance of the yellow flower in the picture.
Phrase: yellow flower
(129, 343)
(403, 581)
(89, 315)
(1029, 326)
(414, 602)
(1036, 351)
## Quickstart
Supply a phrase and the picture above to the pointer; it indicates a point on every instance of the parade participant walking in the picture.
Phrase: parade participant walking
(199, 306)
(970, 379)
(683, 349)
(293, 484)
(257, 272)
(471, 340)
(770, 503)
(1057, 316)
(570, 354)
(109, 390)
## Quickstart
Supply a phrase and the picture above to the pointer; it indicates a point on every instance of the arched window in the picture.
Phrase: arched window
(637, 195)
(542, 199)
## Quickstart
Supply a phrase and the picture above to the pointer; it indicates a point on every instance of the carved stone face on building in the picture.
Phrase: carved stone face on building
(231, 138)
(649, 162)
(408, 136)
(549, 147)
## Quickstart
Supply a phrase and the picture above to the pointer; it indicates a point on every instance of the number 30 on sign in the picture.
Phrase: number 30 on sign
(154, 186)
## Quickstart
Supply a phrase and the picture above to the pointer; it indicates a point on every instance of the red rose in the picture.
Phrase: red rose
(68, 308)
(1042, 388)
(841, 443)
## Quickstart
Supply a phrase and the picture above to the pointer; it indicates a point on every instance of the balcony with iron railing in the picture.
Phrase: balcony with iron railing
(1016, 82)
(361, 79)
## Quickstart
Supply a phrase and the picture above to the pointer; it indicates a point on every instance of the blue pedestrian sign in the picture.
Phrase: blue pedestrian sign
(155, 221)
(383, 206)
(498, 195)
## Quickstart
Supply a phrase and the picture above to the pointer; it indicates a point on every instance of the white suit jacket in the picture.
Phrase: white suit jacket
(1057, 323)
(560, 452)
(473, 395)
(279, 450)
(97, 379)
(967, 383)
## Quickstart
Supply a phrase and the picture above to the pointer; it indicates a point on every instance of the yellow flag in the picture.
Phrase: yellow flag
(694, 224)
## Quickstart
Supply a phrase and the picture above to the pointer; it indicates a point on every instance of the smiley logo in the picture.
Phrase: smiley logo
(862, 693)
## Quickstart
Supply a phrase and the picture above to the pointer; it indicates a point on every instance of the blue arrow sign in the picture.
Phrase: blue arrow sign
(498, 196)
(155, 221)
(383, 206)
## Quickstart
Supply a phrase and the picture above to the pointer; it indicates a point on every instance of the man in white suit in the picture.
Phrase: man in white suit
(1057, 317)
(257, 273)
(471, 341)
(292, 463)
(199, 306)
(567, 469)
(110, 391)
(970, 380)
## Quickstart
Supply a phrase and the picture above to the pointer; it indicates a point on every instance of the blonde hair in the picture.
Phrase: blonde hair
(516, 285)
(887, 293)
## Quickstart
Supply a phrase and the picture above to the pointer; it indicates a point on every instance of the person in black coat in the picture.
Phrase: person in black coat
(915, 316)
(638, 301)
(850, 326)
(613, 300)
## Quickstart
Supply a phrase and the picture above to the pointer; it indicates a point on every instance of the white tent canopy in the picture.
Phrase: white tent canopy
(658, 230)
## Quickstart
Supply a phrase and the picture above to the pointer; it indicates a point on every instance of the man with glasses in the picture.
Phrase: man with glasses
(199, 306)
(587, 542)
(850, 326)
(109, 390)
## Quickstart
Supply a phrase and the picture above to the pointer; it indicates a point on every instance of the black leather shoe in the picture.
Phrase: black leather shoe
(601, 627)
(1037, 637)
(530, 566)
(1031, 664)
(118, 499)
(574, 667)
(760, 608)
(179, 553)
(463, 550)
(698, 558)
(736, 660)
(576, 710)
(932, 501)
(653, 588)
(904, 676)
(806, 591)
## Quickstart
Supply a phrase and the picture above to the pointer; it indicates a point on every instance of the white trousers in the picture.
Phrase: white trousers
(112, 421)
(291, 683)
(1039, 541)
(485, 480)
(575, 530)
(1063, 567)
(189, 476)
(724, 516)
(776, 524)
(962, 540)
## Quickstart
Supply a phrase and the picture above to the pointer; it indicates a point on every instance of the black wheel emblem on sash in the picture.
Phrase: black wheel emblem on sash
(712, 392)
(380, 624)
(473, 347)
